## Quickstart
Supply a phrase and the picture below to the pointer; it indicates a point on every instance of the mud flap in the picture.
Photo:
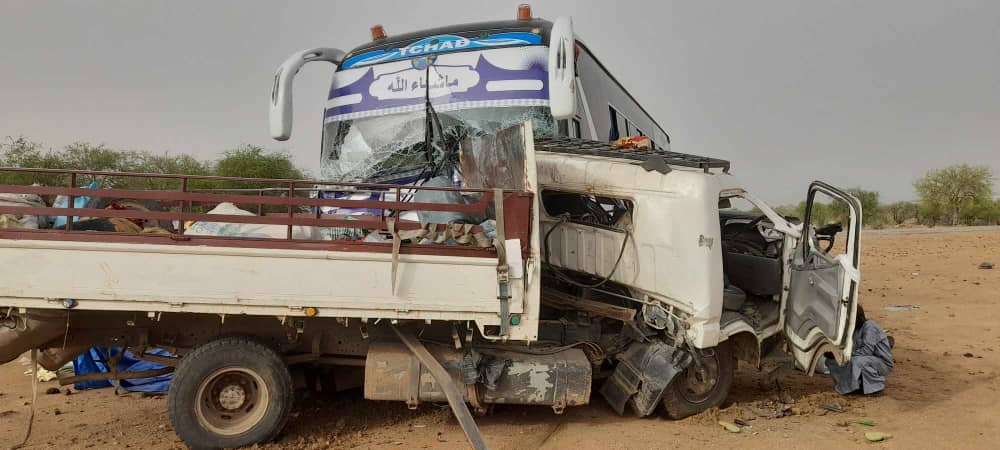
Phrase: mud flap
(644, 371)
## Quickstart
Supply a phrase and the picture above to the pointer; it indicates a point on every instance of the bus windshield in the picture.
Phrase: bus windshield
(392, 149)
(375, 119)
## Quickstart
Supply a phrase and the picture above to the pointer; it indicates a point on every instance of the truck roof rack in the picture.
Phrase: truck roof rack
(586, 147)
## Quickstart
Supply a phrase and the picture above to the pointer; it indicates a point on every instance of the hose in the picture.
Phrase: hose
(562, 276)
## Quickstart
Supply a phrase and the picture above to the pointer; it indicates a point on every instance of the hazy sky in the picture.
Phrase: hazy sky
(858, 93)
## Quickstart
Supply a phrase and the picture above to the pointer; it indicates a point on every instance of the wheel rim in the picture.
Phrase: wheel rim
(231, 401)
(700, 379)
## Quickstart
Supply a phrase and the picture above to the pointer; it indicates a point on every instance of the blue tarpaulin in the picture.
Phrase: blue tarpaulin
(93, 361)
(78, 202)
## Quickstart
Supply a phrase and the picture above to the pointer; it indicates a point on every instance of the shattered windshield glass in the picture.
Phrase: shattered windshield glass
(391, 148)
(375, 121)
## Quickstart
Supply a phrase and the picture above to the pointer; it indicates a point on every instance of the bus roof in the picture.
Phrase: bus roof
(464, 30)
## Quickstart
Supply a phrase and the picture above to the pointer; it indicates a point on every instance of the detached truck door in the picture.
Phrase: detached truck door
(823, 286)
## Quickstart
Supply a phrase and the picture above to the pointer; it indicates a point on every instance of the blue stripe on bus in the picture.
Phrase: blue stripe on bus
(442, 44)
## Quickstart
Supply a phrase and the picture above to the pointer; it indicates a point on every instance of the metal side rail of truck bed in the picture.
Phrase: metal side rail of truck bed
(363, 268)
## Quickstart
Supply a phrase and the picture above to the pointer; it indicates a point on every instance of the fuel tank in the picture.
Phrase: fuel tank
(559, 380)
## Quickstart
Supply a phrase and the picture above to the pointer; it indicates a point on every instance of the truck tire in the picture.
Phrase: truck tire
(693, 391)
(228, 393)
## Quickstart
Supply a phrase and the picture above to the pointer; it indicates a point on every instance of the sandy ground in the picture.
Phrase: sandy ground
(942, 394)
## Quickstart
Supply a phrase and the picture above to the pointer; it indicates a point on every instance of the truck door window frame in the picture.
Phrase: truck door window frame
(617, 208)
(811, 282)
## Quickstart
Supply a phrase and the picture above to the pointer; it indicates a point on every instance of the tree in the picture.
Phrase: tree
(791, 210)
(900, 212)
(246, 162)
(822, 213)
(931, 214)
(870, 206)
(838, 210)
(251, 161)
(175, 164)
(20, 152)
(101, 158)
(985, 212)
(954, 189)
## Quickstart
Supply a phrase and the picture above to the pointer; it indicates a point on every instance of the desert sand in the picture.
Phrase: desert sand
(943, 392)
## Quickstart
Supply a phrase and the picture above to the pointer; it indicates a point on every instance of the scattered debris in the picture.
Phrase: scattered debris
(761, 412)
(46, 375)
(832, 408)
(782, 405)
(901, 308)
(969, 355)
(877, 436)
(52, 391)
(741, 422)
(986, 265)
(866, 423)
(56, 411)
(729, 426)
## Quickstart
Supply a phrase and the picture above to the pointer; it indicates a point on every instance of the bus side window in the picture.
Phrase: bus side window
(621, 126)
(614, 133)
(568, 128)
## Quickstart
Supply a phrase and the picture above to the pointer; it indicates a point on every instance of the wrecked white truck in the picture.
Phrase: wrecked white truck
(467, 246)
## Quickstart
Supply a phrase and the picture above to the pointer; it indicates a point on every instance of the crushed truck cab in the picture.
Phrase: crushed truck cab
(658, 229)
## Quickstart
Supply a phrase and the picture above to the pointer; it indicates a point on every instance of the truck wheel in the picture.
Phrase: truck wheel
(698, 388)
(231, 392)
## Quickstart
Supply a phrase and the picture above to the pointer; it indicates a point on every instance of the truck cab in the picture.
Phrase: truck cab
(671, 235)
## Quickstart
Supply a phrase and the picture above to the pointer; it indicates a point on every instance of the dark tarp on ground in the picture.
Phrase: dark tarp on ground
(92, 361)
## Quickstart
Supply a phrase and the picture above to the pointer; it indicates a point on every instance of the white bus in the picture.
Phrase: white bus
(477, 78)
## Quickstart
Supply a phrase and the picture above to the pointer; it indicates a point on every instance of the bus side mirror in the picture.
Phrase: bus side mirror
(562, 69)
(281, 92)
